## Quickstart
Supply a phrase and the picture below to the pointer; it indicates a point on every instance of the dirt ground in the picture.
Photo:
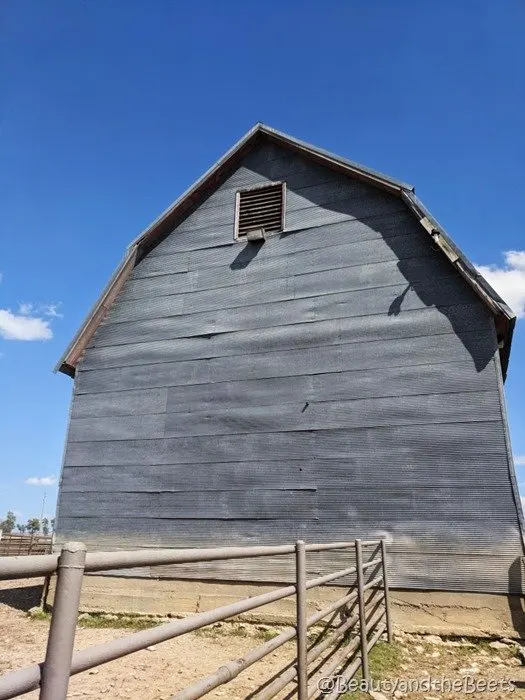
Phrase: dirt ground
(159, 672)
(145, 675)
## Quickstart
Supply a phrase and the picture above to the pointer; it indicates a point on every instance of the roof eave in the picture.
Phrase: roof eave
(195, 187)
(183, 205)
(74, 350)
(333, 160)
(497, 305)
(163, 223)
(148, 236)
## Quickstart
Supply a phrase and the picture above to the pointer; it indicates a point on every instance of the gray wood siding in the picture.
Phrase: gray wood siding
(339, 380)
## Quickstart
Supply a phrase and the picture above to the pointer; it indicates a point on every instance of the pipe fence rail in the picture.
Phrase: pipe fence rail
(13, 545)
(358, 619)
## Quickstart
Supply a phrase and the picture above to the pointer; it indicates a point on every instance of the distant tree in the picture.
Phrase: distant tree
(45, 526)
(33, 525)
(8, 524)
(52, 524)
(21, 529)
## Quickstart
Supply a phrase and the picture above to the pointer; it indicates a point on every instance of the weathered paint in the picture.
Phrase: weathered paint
(339, 380)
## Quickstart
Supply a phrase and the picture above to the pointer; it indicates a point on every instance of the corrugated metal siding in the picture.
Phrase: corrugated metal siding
(336, 381)
(370, 355)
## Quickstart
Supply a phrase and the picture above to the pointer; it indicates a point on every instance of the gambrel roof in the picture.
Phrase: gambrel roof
(186, 203)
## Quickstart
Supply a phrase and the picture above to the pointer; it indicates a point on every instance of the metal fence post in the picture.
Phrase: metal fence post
(386, 592)
(302, 629)
(57, 665)
(362, 609)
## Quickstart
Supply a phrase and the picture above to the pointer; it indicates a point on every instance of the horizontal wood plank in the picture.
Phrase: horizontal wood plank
(303, 415)
(445, 378)
(407, 443)
(293, 312)
(266, 504)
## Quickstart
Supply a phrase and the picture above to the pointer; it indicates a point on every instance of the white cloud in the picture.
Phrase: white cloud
(508, 280)
(519, 461)
(41, 480)
(30, 322)
(25, 309)
(52, 310)
(23, 327)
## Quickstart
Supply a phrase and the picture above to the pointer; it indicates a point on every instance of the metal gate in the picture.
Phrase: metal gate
(364, 616)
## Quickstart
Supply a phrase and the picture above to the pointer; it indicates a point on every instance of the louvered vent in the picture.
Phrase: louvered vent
(260, 208)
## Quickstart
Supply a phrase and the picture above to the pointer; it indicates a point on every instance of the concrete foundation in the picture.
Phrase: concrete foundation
(423, 612)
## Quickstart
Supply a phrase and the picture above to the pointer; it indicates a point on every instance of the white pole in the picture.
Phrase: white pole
(43, 504)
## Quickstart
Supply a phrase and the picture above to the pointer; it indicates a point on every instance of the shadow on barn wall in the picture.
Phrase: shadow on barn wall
(481, 353)
(246, 255)
(516, 602)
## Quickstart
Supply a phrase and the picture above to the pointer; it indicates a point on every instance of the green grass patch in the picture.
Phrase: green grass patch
(383, 661)
(221, 631)
(102, 621)
(266, 635)
(235, 630)
(108, 621)
(39, 614)
(132, 623)
(504, 653)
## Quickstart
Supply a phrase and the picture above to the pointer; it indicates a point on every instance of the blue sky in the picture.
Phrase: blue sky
(111, 108)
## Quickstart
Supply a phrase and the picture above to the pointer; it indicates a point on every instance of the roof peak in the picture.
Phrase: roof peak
(180, 208)
(281, 135)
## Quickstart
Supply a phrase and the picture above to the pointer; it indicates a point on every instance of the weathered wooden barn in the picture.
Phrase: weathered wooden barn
(296, 349)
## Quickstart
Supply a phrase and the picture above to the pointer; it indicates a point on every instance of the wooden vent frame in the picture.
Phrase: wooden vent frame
(260, 207)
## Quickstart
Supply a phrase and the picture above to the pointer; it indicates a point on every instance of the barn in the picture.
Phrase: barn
(296, 349)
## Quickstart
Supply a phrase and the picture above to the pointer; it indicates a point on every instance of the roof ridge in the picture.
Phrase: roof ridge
(166, 221)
